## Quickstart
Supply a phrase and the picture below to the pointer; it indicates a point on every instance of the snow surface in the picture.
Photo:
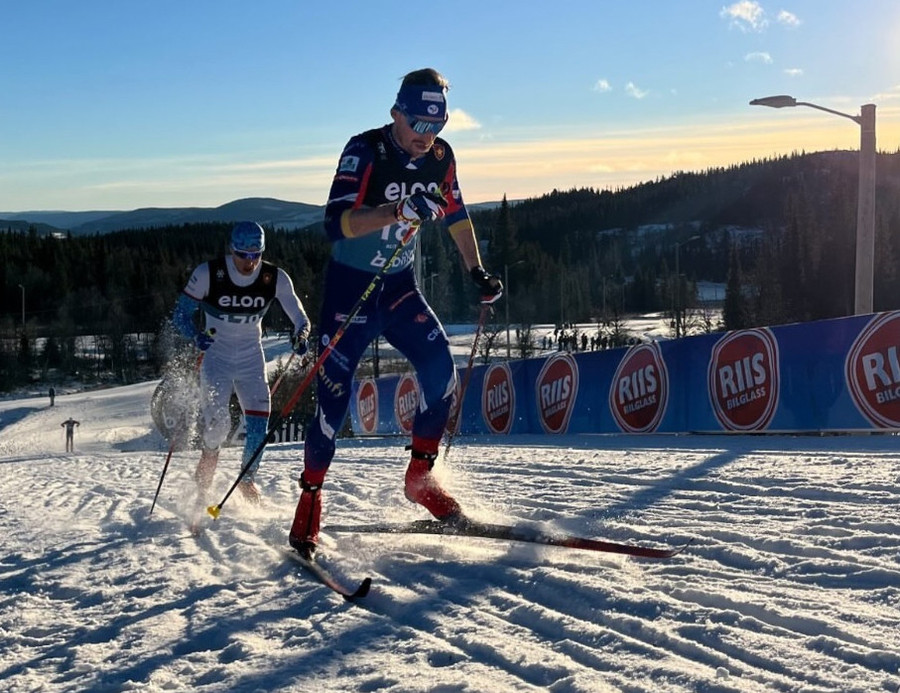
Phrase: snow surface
(792, 582)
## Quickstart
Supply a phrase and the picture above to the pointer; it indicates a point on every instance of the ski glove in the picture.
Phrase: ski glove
(489, 284)
(300, 343)
(204, 340)
(419, 207)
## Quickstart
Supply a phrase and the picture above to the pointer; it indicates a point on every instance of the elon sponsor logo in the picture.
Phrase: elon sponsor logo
(498, 399)
(639, 391)
(556, 389)
(872, 370)
(743, 380)
(367, 405)
(406, 400)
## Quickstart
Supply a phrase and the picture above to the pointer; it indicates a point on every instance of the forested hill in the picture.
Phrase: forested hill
(780, 232)
(784, 228)
(754, 194)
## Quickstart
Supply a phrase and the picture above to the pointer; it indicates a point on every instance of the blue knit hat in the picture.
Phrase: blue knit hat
(427, 101)
(248, 236)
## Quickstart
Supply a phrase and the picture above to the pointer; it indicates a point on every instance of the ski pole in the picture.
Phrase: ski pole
(277, 383)
(172, 446)
(165, 468)
(454, 419)
(162, 476)
(215, 510)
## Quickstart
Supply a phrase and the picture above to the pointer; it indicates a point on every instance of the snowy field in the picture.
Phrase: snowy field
(792, 582)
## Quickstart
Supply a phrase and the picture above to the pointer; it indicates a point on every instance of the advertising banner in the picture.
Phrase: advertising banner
(825, 376)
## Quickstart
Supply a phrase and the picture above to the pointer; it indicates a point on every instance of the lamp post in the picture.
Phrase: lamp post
(506, 289)
(21, 286)
(430, 280)
(676, 297)
(865, 213)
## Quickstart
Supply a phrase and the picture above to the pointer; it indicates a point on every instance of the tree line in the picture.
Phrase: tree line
(779, 233)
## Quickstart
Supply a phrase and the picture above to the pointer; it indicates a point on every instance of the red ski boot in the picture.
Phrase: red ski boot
(304, 535)
(423, 488)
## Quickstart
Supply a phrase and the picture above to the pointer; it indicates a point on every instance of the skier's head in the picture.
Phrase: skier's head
(420, 110)
(248, 238)
(248, 241)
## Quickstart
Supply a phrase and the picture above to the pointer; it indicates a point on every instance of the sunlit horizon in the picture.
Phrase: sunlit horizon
(489, 169)
(258, 102)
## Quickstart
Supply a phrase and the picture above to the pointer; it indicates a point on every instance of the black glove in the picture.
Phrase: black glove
(300, 343)
(204, 340)
(419, 207)
(489, 284)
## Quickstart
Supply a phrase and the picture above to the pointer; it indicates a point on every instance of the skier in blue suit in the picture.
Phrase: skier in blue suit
(389, 180)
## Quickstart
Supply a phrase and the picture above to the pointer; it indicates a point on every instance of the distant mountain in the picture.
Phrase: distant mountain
(56, 220)
(267, 211)
(21, 226)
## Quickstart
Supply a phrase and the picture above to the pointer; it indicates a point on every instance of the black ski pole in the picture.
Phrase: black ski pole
(454, 419)
(215, 510)
(165, 468)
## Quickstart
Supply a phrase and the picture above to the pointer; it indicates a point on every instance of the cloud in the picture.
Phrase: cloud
(892, 94)
(788, 18)
(632, 90)
(602, 85)
(758, 57)
(746, 15)
(461, 121)
(794, 72)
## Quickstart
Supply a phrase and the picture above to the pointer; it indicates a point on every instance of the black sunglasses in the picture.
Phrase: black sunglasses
(423, 126)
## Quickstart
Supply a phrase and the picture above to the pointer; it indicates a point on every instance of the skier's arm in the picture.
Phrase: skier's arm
(290, 303)
(463, 234)
(189, 303)
(345, 215)
(183, 317)
(458, 223)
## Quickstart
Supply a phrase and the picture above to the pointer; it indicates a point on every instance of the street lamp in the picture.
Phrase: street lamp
(506, 289)
(865, 213)
(676, 297)
(430, 281)
(21, 286)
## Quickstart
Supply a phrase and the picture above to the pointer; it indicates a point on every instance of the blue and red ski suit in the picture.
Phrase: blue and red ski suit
(374, 170)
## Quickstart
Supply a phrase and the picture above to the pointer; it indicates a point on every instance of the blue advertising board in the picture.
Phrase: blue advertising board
(827, 376)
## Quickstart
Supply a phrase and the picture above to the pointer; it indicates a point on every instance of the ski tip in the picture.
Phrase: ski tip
(214, 511)
(684, 546)
(361, 591)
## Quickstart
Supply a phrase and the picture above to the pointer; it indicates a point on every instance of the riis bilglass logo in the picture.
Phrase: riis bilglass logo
(367, 405)
(498, 399)
(873, 371)
(744, 379)
(639, 391)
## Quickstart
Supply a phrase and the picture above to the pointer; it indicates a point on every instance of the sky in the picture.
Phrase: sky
(108, 105)
(791, 582)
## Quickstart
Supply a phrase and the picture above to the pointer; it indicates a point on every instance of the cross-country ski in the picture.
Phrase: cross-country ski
(327, 578)
(485, 530)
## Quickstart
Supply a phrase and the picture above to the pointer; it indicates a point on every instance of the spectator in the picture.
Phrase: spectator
(70, 425)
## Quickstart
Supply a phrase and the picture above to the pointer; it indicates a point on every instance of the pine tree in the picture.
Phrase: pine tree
(734, 312)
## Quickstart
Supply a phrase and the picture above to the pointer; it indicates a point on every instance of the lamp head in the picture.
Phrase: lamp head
(780, 101)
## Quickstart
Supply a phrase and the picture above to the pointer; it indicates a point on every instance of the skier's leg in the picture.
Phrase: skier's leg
(417, 333)
(215, 394)
(333, 385)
